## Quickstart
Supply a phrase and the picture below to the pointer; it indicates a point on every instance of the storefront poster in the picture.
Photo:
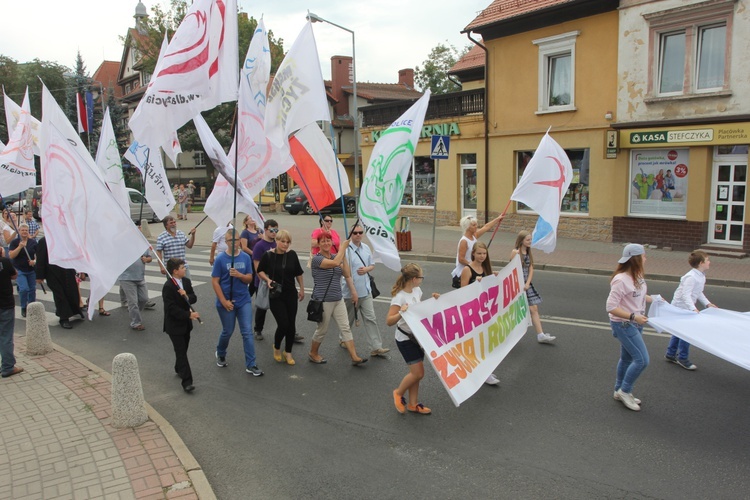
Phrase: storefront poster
(658, 182)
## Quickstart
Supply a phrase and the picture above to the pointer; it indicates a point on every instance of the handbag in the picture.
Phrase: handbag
(456, 283)
(373, 288)
(262, 296)
(275, 289)
(315, 307)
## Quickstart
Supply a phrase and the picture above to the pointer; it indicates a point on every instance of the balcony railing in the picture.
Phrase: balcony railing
(450, 105)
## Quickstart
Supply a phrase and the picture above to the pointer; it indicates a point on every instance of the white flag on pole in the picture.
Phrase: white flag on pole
(199, 70)
(172, 146)
(13, 114)
(542, 187)
(17, 171)
(108, 160)
(297, 96)
(385, 178)
(149, 162)
(85, 228)
(220, 209)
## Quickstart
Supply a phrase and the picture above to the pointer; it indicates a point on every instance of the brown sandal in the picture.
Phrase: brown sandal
(102, 312)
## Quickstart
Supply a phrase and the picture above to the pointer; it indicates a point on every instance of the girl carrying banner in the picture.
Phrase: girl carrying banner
(405, 292)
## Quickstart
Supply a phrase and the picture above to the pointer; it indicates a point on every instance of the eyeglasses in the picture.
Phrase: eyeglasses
(420, 277)
(327, 220)
(274, 230)
(357, 232)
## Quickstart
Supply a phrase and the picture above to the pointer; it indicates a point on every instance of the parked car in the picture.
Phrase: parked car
(34, 200)
(15, 202)
(135, 199)
(296, 202)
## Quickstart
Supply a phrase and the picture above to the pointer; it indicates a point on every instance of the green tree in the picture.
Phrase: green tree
(119, 120)
(433, 74)
(80, 83)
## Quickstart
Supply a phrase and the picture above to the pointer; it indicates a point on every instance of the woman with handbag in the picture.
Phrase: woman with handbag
(279, 268)
(327, 269)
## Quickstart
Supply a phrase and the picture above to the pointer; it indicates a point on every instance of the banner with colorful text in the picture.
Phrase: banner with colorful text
(466, 333)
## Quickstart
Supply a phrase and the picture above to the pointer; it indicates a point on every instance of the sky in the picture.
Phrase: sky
(389, 35)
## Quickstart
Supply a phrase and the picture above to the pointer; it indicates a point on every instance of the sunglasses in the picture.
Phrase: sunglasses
(274, 230)
(357, 232)
(327, 220)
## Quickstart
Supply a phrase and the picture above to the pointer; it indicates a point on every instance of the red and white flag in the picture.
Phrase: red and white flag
(17, 171)
(198, 71)
(83, 116)
(85, 228)
(542, 188)
(318, 172)
(13, 114)
(297, 96)
(172, 147)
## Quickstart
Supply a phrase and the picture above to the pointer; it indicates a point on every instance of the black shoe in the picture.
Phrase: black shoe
(299, 339)
(83, 313)
(66, 324)
(23, 312)
(258, 336)
(149, 305)
(189, 388)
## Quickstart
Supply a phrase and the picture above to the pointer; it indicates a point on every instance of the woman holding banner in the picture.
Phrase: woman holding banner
(327, 269)
(523, 248)
(626, 306)
(406, 292)
(478, 268)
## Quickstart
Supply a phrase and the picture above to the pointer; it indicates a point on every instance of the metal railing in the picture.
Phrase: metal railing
(450, 105)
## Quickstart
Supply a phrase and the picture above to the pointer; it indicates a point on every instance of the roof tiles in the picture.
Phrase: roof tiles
(500, 10)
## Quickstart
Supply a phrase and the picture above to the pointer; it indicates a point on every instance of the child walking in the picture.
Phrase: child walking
(523, 248)
(690, 290)
(405, 292)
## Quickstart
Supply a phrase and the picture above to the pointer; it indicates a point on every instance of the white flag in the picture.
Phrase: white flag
(297, 96)
(85, 228)
(108, 160)
(17, 171)
(385, 178)
(198, 71)
(542, 188)
(258, 160)
(149, 162)
(13, 114)
(220, 209)
(172, 146)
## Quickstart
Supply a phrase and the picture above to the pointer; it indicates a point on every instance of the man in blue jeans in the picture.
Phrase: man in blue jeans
(23, 252)
(7, 317)
(232, 272)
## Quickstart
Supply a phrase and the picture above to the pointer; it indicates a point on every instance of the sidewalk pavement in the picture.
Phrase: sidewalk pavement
(57, 440)
(571, 255)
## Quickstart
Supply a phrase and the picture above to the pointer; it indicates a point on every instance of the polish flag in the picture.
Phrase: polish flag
(83, 118)
(317, 171)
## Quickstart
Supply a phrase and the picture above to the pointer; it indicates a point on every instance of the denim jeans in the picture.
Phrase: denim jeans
(633, 354)
(679, 347)
(7, 322)
(244, 316)
(26, 287)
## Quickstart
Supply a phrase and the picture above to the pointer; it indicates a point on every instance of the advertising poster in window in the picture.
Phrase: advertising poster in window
(658, 182)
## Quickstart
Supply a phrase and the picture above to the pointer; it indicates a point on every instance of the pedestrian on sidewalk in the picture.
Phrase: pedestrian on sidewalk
(182, 199)
(472, 231)
(626, 305)
(62, 283)
(282, 267)
(523, 248)
(361, 264)
(133, 287)
(479, 267)
(8, 367)
(177, 294)
(407, 292)
(690, 289)
(23, 254)
(327, 270)
(229, 278)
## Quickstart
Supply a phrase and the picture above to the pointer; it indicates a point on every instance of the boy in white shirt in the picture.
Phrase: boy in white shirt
(690, 290)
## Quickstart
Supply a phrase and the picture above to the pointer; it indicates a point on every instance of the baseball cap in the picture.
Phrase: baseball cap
(630, 250)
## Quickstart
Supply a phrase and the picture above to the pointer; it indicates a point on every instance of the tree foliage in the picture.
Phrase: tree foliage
(433, 74)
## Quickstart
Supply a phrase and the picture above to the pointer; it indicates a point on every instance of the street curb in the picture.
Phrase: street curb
(197, 477)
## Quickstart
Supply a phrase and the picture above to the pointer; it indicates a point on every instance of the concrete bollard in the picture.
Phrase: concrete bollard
(38, 341)
(145, 230)
(128, 406)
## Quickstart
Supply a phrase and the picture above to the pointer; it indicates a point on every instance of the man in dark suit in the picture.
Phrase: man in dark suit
(178, 318)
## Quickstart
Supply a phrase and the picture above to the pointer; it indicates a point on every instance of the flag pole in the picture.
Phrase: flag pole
(143, 182)
(164, 266)
(234, 199)
(338, 176)
(498, 223)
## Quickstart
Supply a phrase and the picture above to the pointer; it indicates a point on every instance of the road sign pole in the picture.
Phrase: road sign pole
(434, 203)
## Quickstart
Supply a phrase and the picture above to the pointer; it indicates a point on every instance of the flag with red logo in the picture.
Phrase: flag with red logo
(17, 170)
(13, 114)
(542, 188)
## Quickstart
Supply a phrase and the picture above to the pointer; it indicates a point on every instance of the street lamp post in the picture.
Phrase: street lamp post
(317, 19)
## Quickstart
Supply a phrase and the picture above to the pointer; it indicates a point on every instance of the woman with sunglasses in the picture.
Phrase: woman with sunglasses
(326, 226)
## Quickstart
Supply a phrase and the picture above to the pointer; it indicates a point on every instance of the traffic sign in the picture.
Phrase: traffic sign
(440, 146)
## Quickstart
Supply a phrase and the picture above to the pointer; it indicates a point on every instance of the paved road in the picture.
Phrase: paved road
(550, 429)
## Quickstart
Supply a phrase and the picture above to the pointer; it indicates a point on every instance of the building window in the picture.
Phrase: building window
(576, 199)
(691, 46)
(146, 78)
(422, 192)
(557, 56)
(127, 89)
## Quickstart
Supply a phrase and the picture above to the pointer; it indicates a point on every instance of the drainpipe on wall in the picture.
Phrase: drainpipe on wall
(486, 129)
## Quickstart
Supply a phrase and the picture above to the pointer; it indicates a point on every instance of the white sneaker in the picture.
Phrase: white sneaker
(544, 338)
(492, 380)
(617, 398)
(628, 400)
